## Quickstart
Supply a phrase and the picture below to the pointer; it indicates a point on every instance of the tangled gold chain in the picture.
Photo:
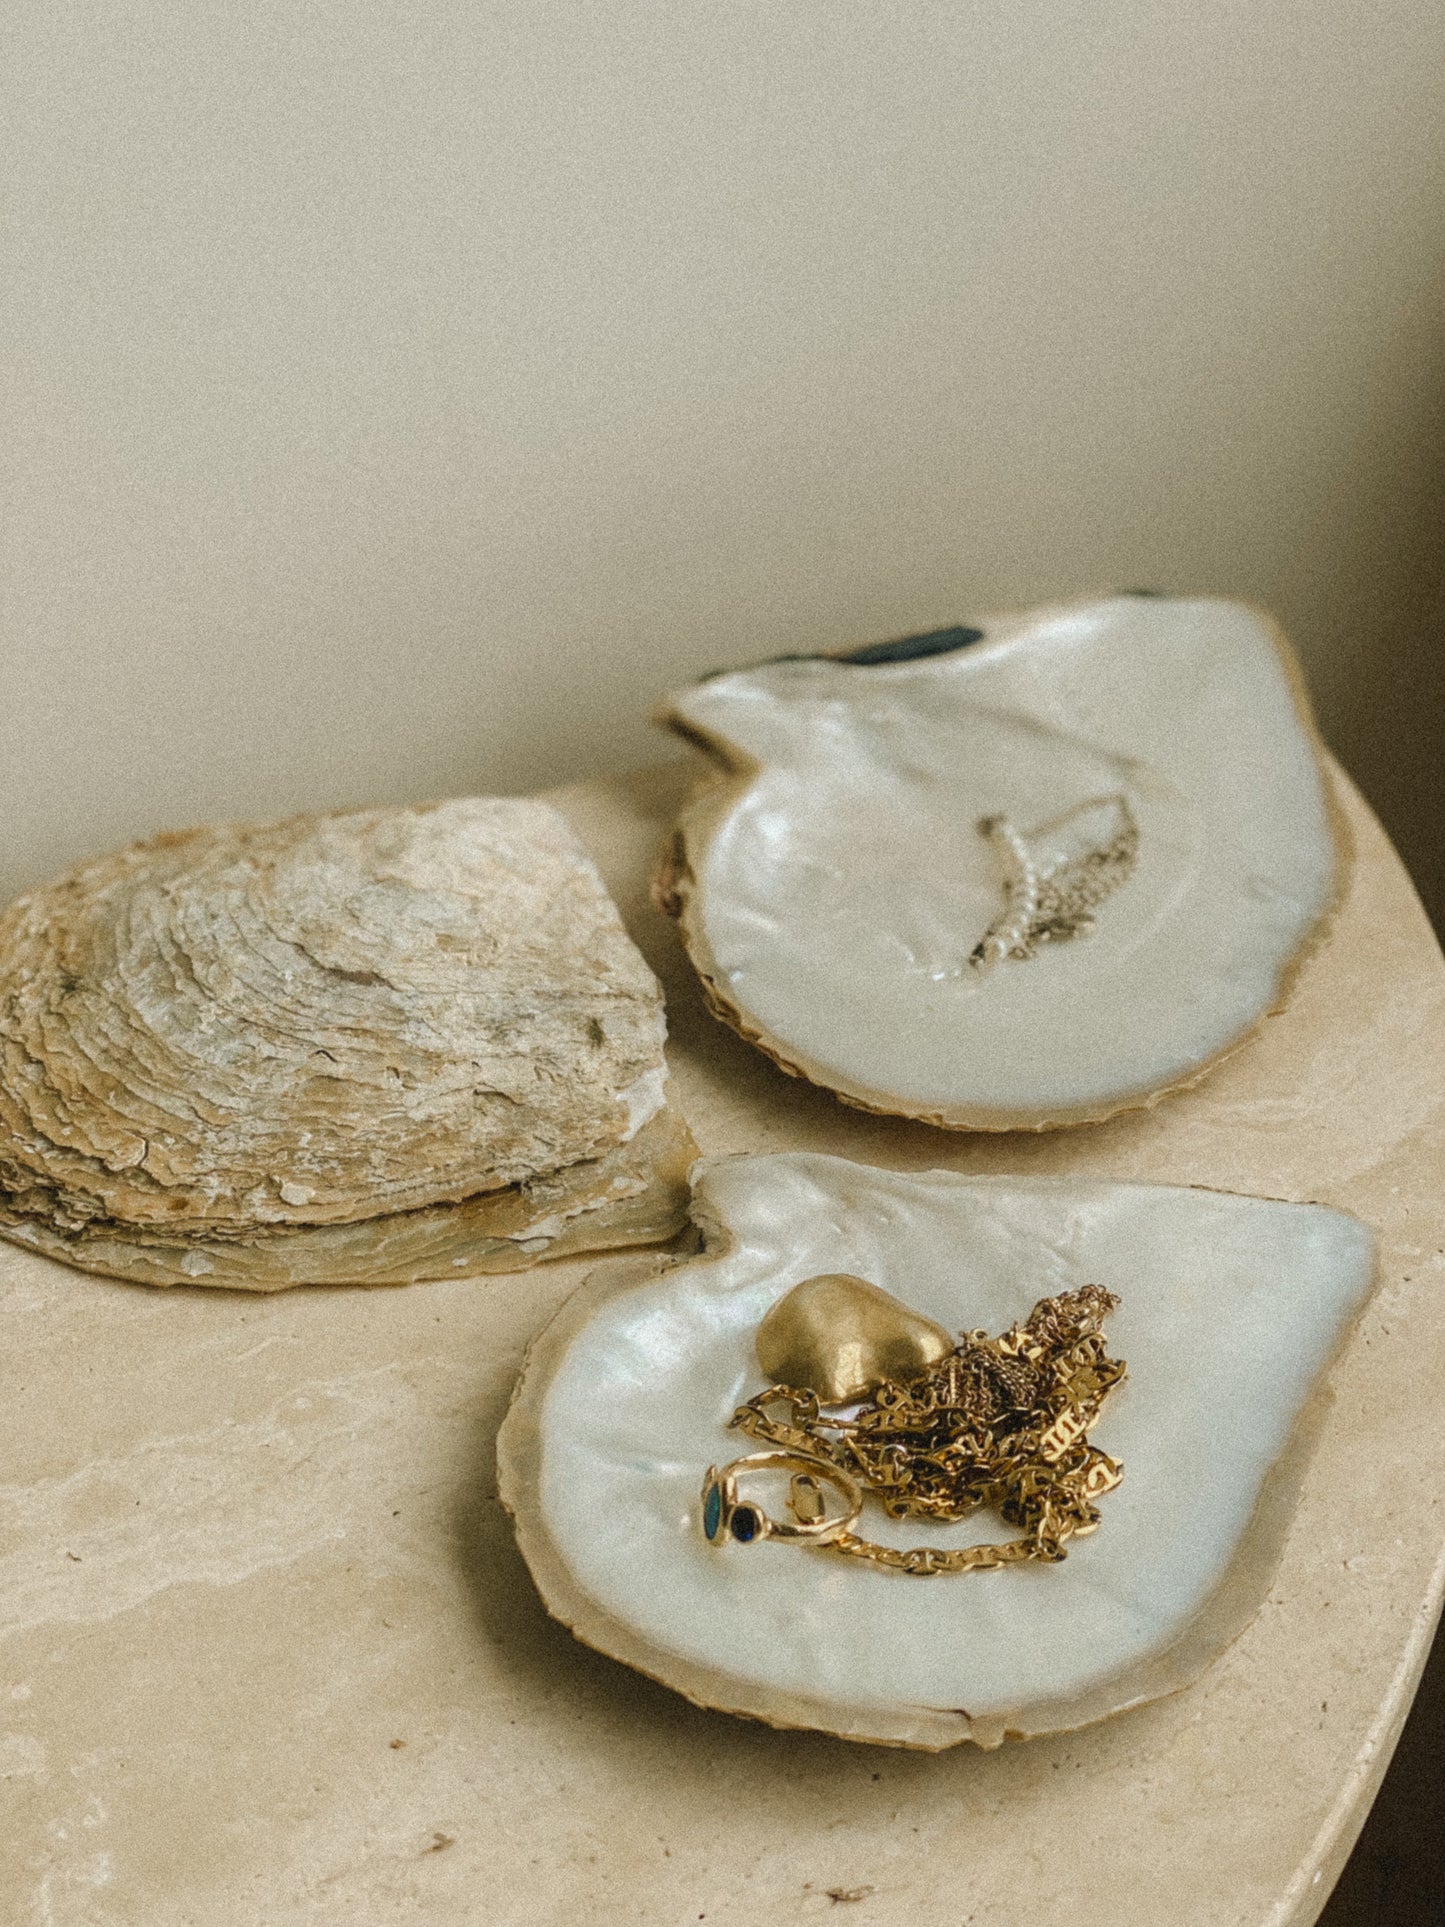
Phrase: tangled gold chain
(1000, 1422)
(1056, 900)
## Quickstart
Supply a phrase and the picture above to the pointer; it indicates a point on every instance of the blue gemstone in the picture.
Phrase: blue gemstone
(712, 1511)
(744, 1524)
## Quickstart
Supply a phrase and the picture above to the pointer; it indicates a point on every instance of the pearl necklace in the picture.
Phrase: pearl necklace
(1053, 901)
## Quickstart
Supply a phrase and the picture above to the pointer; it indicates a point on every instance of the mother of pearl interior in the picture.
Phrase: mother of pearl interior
(1231, 1308)
(841, 883)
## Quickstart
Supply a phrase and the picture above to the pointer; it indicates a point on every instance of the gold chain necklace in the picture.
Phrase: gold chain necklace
(1057, 877)
(999, 1422)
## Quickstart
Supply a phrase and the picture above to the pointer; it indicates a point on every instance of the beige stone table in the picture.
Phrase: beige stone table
(270, 1657)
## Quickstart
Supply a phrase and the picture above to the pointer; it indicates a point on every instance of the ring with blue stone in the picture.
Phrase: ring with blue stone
(726, 1517)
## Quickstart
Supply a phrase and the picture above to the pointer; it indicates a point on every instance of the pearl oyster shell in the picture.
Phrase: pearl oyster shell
(1232, 1308)
(374, 1046)
(845, 885)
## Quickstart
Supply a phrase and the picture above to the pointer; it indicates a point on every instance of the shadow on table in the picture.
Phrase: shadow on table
(1396, 1874)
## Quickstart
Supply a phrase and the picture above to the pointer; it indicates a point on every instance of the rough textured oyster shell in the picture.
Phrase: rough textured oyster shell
(848, 896)
(1231, 1310)
(370, 1046)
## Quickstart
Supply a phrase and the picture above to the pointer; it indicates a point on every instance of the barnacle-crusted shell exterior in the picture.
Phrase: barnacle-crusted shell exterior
(375, 1045)
(1231, 1311)
(845, 882)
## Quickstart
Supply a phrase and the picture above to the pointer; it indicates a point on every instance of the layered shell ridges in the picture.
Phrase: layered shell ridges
(318, 1020)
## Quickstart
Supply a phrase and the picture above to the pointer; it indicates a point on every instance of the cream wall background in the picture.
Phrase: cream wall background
(399, 397)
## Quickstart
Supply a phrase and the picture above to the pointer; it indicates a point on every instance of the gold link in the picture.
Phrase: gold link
(1000, 1422)
(805, 1499)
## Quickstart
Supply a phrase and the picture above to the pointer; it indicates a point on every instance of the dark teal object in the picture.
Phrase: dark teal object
(934, 642)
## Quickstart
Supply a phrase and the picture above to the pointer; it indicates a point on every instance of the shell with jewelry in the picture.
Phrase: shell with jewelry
(1016, 875)
(1230, 1310)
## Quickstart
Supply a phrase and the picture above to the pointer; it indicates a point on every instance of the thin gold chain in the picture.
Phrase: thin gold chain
(1056, 902)
(1000, 1422)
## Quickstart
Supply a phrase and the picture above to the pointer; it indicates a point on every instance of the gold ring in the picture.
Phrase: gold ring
(725, 1516)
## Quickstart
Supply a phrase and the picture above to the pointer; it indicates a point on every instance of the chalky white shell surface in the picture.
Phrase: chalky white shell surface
(1232, 1308)
(834, 883)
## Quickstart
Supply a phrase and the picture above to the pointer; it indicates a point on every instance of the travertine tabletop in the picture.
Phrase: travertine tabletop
(270, 1656)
